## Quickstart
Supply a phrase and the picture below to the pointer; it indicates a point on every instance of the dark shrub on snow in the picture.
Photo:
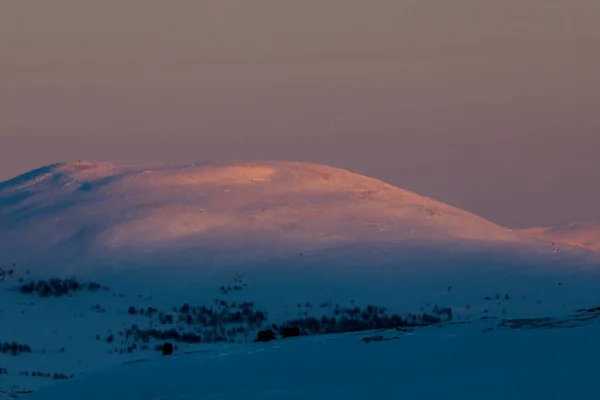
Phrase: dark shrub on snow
(265, 336)
(14, 348)
(289, 332)
(167, 349)
(56, 287)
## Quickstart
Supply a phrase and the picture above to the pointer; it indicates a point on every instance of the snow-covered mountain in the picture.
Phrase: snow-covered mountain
(109, 261)
(83, 211)
(92, 214)
(584, 234)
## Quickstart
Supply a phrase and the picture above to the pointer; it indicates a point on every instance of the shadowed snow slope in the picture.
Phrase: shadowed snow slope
(459, 362)
(584, 234)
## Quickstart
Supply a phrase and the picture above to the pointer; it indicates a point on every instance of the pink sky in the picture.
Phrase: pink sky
(491, 106)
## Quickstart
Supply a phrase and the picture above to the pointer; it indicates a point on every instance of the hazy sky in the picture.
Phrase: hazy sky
(491, 106)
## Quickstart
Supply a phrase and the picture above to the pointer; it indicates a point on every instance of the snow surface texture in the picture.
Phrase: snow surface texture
(455, 362)
(296, 240)
(584, 234)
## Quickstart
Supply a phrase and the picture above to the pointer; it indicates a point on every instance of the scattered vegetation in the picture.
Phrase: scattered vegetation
(235, 322)
(14, 348)
(56, 287)
(238, 285)
(55, 375)
(372, 317)
(6, 272)
(123, 350)
(228, 321)
(286, 332)
(98, 308)
(376, 338)
(194, 324)
(590, 310)
(145, 335)
(13, 394)
(569, 321)
(497, 296)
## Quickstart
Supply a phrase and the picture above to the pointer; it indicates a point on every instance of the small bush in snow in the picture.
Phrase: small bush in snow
(56, 287)
(56, 375)
(14, 348)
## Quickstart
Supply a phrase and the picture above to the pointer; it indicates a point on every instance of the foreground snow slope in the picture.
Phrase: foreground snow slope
(473, 361)
(584, 234)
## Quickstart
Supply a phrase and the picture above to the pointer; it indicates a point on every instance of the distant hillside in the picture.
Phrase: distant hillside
(581, 234)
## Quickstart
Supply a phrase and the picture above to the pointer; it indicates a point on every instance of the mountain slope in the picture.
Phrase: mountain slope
(584, 234)
(130, 206)
(84, 212)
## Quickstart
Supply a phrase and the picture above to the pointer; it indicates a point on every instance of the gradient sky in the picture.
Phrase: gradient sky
(491, 106)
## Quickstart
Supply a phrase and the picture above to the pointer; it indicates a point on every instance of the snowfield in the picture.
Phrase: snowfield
(101, 263)
(461, 361)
